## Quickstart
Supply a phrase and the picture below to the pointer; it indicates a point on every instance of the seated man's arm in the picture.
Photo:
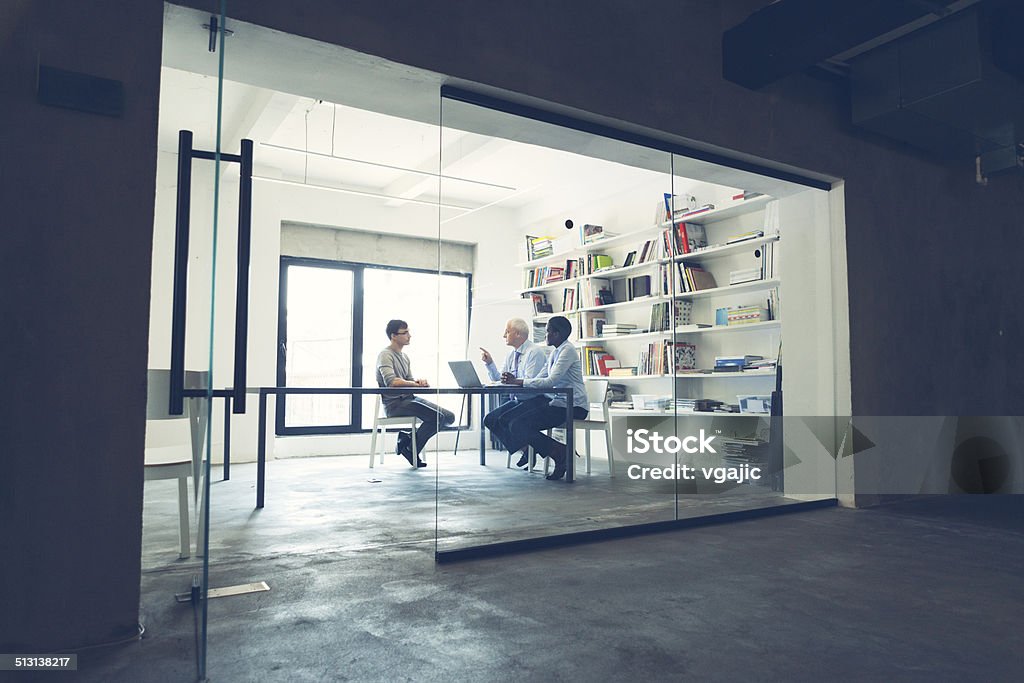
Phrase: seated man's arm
(386, 366)
(535, 362)
(557, 376)
(492, 371)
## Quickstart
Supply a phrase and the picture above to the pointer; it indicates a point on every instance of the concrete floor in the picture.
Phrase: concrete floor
(922, 590)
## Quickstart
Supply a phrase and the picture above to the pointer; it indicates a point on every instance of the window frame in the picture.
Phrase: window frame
(358, 270)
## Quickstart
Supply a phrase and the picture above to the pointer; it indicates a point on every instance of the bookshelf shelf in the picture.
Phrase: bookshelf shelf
(722, 250)
(609, 274)
(756, 285)
(740, 208)
(726, 375)
(686, 330)
(625, 378)
(552, 285)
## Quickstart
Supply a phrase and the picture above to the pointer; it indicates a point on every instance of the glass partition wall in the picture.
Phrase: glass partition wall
(670, 272)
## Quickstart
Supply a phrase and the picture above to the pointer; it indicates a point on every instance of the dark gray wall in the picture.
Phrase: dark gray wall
(76, 191)
(932, 256)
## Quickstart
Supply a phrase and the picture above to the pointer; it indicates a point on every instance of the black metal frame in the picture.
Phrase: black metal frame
(358, 269)
(186, 154)
(457, 94)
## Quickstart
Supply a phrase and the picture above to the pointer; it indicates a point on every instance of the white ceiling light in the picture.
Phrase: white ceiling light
(362, 193)
(380, 165)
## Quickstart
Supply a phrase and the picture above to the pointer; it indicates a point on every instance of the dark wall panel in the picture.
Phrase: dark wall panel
(77, 195)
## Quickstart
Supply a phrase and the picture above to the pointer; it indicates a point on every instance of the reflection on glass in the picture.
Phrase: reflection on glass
(319, 347)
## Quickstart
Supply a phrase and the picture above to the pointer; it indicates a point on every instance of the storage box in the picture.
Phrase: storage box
(641, 401)
(758, 405)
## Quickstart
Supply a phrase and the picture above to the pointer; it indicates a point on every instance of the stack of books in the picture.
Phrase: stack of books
(593, 233)
(615, 329)
(761, 364)
(538, 247)
(734, 363)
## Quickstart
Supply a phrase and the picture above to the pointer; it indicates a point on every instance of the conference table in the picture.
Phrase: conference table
(482, 391)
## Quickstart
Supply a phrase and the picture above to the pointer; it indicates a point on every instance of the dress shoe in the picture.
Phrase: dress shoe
(524, 460)
(559, 471)
(420, 463)
(404, 443)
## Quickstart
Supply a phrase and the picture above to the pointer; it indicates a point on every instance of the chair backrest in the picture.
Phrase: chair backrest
(158, 388)
(597, 393)
(597, 390)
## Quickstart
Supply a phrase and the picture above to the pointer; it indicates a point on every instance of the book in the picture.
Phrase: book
(699, 279)
(696, 236)
(639, 286)
(744, 236)
(737, 277)
(606, 364)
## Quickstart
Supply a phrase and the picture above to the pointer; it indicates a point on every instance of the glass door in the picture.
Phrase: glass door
(200, 302)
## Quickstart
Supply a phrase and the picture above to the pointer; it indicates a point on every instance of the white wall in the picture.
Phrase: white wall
(813, 328)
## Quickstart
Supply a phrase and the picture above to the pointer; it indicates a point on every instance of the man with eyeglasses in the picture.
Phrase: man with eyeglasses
(394, 369)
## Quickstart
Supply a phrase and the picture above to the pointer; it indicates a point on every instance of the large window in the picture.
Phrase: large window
(332, 321)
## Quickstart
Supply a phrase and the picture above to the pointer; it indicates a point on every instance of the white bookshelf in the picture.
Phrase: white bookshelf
(720, 259)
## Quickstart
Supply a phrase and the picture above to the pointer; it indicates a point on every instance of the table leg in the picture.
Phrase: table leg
(483, 430)
(227, 438)
(261, 451)
(570, 439)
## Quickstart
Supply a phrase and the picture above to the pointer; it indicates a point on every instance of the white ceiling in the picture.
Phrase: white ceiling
(371, 126)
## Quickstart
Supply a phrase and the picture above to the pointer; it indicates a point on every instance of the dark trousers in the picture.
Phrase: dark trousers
(434, 417)
(495, 422)
(524, 425)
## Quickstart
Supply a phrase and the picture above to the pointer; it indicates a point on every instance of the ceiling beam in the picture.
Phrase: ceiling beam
(789, 36)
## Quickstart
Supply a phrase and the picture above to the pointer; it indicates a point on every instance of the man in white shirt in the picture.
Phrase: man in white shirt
(526, 360)
(525, 423)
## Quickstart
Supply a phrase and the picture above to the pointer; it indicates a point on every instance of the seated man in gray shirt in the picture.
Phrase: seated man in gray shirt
(394, 369)
(525, 361)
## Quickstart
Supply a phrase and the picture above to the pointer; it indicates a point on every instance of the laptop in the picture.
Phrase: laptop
(465, 373)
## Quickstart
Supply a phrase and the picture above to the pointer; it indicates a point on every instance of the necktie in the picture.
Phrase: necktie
(515, 367)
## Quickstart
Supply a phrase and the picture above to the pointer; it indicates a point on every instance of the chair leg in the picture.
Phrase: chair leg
(373, 445)
(586, 444)
(415, 451)
(608, 445)
(183, 526)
